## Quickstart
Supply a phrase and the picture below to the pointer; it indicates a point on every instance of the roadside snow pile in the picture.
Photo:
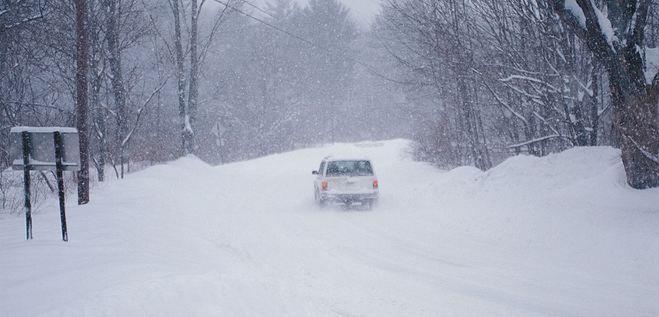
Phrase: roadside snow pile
(592, 174)
(539, 199)
(560, 235)
(557, 171)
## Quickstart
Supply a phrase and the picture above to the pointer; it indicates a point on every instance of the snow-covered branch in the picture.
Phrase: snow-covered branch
(530, 79)
(129, 135)
(506, 106)
(23, 21)
(646, 153)
(588, 22)
(536, 140)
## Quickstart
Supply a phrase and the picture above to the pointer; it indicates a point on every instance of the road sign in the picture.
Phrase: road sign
(45, 148)
(42, 148)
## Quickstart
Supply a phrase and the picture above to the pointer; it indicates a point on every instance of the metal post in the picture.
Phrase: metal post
(59, 154)
(26, 181)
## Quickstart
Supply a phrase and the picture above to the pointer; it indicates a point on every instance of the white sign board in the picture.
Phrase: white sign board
(42, 148)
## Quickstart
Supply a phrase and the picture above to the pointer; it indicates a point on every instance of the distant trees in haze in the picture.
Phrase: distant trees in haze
(225, 80)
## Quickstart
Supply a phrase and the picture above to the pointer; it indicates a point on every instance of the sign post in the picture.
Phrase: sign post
(47, 148)
(59, 154)
(25, 138)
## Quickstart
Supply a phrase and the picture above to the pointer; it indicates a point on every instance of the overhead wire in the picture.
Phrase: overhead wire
(370, 69)
(258, 9)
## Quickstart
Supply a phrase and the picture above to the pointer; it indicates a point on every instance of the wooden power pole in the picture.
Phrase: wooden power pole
(81, 100)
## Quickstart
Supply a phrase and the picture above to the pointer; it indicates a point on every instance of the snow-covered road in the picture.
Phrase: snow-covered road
(554, 236)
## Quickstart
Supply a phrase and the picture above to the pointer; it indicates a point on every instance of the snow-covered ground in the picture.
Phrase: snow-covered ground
(556, 236)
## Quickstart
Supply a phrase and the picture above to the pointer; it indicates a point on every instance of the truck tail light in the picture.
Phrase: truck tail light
(324, 185)
(375, 184)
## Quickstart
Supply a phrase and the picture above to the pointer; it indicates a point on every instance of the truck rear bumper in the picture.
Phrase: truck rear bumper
(345, 197)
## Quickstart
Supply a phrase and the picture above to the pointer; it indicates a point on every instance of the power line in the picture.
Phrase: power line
(264, 22)
(370, 69)
(259, 9)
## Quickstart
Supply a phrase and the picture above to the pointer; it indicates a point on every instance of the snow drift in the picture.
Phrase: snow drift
(559, 235)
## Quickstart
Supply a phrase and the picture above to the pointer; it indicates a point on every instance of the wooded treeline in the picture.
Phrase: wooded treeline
(224, 80)
(472, 82)
(512, 76)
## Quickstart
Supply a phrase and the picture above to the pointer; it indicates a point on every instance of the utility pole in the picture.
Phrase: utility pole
(81, 99)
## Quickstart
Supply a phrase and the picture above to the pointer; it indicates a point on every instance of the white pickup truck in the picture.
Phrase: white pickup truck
(346, 180)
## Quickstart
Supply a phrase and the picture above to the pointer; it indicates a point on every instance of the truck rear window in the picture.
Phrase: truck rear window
(349, 168)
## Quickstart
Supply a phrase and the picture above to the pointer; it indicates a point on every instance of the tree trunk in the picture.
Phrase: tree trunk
(99, 120)
(193, 89)
(81, 99)
(471, 120)
(635, 119)
(116, 74)
(116, 78)
(594, 107)
(186, 130)
(97, 49)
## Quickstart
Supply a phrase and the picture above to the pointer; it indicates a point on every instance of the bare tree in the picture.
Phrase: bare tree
(20, 57)
(439, 43)
(97, 66)
(618, 43)
(193, 88)
(116, 75)
(197, 51)
(545, 82)
(187, 136)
